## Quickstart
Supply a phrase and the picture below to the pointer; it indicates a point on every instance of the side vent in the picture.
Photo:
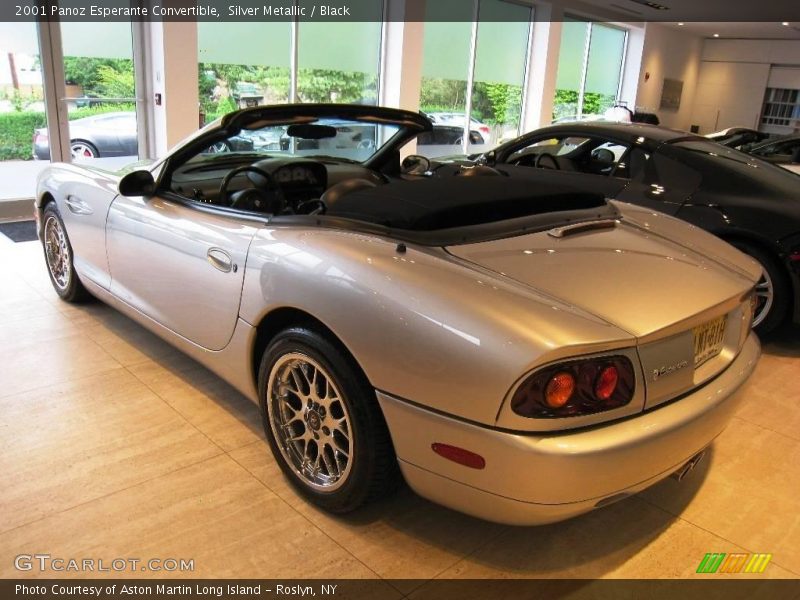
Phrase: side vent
(567, 230)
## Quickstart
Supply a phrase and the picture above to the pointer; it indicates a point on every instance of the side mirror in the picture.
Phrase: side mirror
(137, 183)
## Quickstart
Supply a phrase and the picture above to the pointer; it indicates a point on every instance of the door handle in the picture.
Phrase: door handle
(221, 260)
(77, 206)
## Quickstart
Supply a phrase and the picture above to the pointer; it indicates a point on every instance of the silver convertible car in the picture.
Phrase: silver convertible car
(520, 354)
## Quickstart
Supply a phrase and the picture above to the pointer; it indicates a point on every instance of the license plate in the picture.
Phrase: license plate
(708, 339)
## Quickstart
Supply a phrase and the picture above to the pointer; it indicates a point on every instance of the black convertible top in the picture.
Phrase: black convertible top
(444, 203)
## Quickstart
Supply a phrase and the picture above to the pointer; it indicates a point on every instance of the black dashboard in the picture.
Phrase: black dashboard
(296, 179)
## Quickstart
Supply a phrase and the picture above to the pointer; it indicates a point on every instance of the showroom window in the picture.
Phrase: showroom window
(251, 68)
(590, 65)
(340, 72)
(256, 64)
(100, 93)
(781, 110)
(85, 110)
(462, 78)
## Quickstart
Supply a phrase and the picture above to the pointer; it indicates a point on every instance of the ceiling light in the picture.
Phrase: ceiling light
(785, 23)
(680, 24)
(716, 35)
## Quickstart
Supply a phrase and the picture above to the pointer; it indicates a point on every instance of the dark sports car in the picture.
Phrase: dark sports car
(746, 201)
(106, 134)
(113, 134)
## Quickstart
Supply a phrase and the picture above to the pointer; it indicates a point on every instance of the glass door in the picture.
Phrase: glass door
(23, 121)
(100, 93)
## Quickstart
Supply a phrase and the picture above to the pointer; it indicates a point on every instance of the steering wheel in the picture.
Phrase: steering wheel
(366, 144)
(548, 156)
(274, 203)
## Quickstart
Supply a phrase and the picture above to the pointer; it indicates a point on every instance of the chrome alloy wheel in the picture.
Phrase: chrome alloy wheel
(765, 297)
(80, 150)
(310, 422)
(57, 252)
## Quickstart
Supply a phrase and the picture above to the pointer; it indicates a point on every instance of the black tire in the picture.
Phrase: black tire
(778, 310)
(64, 278)
(373, 470)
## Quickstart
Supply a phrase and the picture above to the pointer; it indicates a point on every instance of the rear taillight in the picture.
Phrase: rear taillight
(39, 137)
(484, 129)
(575, 388)
(606, 383)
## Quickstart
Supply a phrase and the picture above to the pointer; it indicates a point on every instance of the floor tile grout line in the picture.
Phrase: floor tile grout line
(4, 398)
(222, 452)
(765, 428)
(304, 517)
(503, 530)
(715, 534)
(111, 493)
(175, 410)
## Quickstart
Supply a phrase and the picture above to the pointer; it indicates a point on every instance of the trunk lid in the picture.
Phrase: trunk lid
(633, 279)
(688, 311)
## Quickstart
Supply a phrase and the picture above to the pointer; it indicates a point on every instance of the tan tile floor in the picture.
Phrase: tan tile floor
(114, 444)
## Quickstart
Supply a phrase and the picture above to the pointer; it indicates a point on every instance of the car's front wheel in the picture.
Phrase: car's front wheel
(323, 422)
(59, 257)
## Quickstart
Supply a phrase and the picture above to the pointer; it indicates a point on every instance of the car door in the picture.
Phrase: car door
(180, 263)
(119, 134)
(125, 126)
(658, 179)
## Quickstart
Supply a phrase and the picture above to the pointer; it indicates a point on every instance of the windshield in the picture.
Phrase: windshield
(345, 139)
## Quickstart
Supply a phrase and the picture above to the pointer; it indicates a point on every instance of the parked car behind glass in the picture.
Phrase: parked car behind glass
(103, 135)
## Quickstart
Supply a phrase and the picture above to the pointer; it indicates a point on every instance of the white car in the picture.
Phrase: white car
(453, 118)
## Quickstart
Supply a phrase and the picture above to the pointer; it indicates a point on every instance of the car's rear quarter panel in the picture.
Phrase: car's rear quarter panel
(421, 327)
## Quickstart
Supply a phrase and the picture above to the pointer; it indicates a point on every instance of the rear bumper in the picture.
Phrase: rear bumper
(540, 478)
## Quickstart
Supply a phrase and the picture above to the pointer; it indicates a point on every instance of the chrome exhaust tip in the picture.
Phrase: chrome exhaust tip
(688, 466)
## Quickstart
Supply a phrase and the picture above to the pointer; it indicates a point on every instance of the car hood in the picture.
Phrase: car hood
(628, 275)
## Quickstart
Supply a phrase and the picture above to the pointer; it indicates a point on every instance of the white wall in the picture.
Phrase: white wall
(672, 54)
(734, 75)
(729, 94)
(172, 73)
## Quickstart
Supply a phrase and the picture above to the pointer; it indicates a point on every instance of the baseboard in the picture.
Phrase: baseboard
(16, 210)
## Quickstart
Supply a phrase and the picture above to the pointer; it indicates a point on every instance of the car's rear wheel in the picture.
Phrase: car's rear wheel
(81, 149)
(323, 423)
(772, 290)
(59, 257)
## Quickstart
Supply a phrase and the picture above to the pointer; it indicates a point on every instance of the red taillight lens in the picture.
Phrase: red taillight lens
(606, 383)
(575, 388)
(484, 130)
(559, 389)
(39, 137)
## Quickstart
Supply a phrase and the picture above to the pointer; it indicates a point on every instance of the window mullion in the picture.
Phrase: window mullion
(584, 68)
